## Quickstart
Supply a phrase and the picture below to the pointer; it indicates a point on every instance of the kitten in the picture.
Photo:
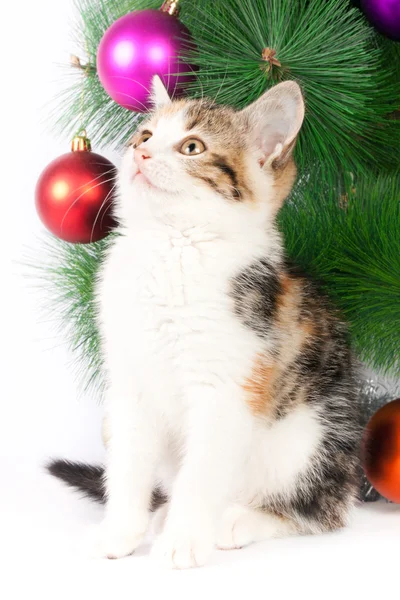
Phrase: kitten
(230, 380)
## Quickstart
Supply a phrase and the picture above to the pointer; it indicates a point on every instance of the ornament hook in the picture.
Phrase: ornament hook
(171, 7)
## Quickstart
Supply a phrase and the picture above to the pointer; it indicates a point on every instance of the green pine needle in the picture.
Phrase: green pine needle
(69, 276)
(349, 240)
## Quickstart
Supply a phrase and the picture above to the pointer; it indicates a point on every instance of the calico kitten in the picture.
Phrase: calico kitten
(230, 381)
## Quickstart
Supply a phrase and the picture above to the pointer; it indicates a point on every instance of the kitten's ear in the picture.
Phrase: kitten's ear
(159, 94)
(274, 120)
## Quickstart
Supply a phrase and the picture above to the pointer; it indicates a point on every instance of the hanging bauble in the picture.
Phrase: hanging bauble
(381, 451)
(140, 45)
(75, 192)
(384, 15)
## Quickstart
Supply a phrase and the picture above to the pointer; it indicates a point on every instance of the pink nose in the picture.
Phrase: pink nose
(141, 154)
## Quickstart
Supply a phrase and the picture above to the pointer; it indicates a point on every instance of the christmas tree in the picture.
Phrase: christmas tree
(342, 221)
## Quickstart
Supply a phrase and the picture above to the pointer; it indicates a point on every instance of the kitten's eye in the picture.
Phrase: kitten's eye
(146, 135)
(192, 147)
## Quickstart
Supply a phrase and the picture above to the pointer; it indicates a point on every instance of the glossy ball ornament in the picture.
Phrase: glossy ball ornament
(381, 451)
(74, 195)
(384, 15)
(138, 46)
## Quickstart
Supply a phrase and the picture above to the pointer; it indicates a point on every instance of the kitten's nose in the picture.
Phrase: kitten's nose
(141, 154)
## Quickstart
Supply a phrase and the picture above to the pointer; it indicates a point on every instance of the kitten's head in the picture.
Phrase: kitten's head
(198, 153)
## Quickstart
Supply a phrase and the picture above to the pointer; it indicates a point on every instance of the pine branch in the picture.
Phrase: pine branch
(349, 239)
(68, 276)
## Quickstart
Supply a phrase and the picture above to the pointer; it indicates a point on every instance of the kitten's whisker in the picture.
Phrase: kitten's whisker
(108, 208)
(100, 209)
(102, 165)
(99, 212)
(169, 74)
(176, 86)
(95, 178)
(145, 109)
(80, 196)
(222, 83)
(134, 81)
(105, 213)
(202, 88)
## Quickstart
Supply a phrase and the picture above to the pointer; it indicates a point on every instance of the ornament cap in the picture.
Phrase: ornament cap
(81, 143)
(171, 7)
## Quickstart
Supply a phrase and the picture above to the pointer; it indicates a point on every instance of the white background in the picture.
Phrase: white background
(42, 414)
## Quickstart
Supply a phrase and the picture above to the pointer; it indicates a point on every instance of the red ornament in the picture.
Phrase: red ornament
(74, 194)
(381, 451)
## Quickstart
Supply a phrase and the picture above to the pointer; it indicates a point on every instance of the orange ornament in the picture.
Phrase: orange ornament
(381, 451)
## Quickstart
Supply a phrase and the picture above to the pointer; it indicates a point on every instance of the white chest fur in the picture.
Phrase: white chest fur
(165, 304)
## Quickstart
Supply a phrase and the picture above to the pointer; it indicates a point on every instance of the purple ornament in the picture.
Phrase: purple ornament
(384, 16)
(137, 47)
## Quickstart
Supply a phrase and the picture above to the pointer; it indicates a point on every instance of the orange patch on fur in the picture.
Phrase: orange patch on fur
(287, 302)
(286, 287)
(308, 328)
(259, 386)
(294, 331)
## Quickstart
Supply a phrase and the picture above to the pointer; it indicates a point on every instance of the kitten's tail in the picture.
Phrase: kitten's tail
(85, 478)
(89, 480)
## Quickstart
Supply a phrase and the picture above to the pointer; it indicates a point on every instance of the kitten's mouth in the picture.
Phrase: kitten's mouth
(139, 176)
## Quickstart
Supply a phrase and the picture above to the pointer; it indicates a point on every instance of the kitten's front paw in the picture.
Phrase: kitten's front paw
(182, 550)
(159, 519)
(114, 540)
(234, 532)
